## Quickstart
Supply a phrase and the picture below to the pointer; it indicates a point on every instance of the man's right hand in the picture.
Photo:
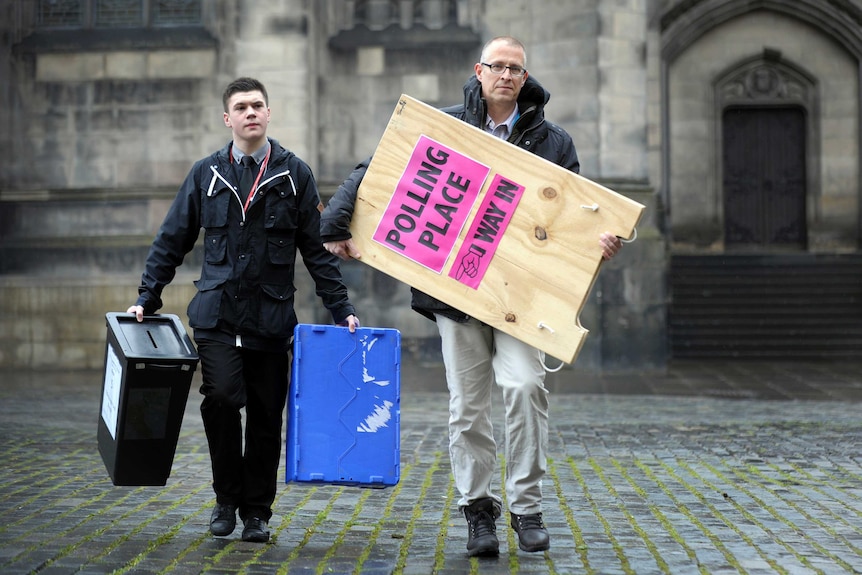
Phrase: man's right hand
(344, 249)
(138, 311)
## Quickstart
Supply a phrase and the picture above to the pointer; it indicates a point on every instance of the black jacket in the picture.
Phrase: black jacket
(246, 284)
(531, 132)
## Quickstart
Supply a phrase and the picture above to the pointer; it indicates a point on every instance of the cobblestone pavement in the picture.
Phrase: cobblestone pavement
(708, 468)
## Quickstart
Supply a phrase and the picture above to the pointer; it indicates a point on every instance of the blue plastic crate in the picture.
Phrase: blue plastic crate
(344, 406)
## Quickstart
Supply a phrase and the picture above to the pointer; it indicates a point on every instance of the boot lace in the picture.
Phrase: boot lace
(533, 521)
(482, 524)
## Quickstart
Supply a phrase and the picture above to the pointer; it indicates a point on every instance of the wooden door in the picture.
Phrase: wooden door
(764, 178)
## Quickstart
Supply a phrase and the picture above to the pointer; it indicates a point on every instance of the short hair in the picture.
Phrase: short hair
(243, 85)
(508, 41)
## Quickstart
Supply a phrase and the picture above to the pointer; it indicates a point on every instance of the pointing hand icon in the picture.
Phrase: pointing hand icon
(469, 265)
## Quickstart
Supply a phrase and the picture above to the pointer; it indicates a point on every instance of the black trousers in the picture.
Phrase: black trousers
(233, 378)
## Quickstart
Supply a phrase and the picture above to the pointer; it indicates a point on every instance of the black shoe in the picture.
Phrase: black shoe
(481, 529)
(532, 535)
(255, 530)
(223, 520)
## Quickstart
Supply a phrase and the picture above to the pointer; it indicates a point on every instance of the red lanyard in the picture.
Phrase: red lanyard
(256, 180)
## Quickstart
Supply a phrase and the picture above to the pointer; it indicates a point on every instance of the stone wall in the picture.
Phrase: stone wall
(103, 129)
(57, 319)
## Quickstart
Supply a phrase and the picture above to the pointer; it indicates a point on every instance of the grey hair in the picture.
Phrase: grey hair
(508, 41)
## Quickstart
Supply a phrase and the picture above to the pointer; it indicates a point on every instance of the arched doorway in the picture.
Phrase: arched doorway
(767, 162)
(787, 45)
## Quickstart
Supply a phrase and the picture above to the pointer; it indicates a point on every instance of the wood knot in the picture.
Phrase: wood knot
(510, 317)
(541, 234)
(549, 193)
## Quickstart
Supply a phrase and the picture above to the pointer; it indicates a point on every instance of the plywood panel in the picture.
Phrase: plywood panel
(534, 275)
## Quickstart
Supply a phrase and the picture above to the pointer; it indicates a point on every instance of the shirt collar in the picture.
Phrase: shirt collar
(258, 154)
(490, 126)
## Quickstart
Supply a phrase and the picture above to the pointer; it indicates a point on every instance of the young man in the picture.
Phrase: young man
(258, 204)
(502, 99)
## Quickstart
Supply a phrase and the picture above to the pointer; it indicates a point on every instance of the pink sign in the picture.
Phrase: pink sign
(431, 203)
(485, 233)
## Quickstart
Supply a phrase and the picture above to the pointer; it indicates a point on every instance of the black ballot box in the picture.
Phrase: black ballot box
(148, 371)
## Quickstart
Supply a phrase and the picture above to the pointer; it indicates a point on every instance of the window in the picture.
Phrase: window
(118, 13)
(60, 13)
(404, 24)
(377, 14)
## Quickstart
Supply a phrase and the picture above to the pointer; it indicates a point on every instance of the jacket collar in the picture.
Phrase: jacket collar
(531, 102)
(278, 154)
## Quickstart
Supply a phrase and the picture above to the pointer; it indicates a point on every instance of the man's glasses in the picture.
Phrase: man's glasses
(515, 71)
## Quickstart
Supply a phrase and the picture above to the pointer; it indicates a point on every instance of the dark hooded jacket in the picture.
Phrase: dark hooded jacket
(531, 131)
(246, 287)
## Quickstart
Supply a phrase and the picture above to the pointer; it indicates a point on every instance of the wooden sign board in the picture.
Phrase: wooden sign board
(486, 227)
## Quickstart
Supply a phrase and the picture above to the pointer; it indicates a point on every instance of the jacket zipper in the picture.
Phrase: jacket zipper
(522, 133)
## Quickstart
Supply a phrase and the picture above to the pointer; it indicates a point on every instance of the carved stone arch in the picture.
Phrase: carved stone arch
(683, 22)
(767, 81)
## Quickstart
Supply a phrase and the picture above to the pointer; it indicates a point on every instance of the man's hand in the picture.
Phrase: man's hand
(352, 322)
(344, 249)
(611, 244)
(138, 311)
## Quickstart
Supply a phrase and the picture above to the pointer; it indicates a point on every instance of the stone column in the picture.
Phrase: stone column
(622, 97)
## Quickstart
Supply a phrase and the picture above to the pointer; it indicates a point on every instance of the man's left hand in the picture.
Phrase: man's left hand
(611, 244)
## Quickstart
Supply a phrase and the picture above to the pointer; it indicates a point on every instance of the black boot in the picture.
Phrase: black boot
(532, 535)
(255, 530)
(223, 520)
(481, 529)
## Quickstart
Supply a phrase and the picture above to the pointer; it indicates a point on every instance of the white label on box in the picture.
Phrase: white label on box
(382, 414)
(111, 392)
(366, 350)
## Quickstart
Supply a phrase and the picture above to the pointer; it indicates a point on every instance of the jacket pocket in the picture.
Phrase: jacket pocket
(205, 308)
(280, 250)
(276, 310)
(215, 205)
(215, 246)
(281, 212)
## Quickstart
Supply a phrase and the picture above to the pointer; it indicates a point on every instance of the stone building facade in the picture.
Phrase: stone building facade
(107, 103)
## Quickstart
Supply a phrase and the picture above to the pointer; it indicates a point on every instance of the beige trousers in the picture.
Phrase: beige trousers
(477, 356)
